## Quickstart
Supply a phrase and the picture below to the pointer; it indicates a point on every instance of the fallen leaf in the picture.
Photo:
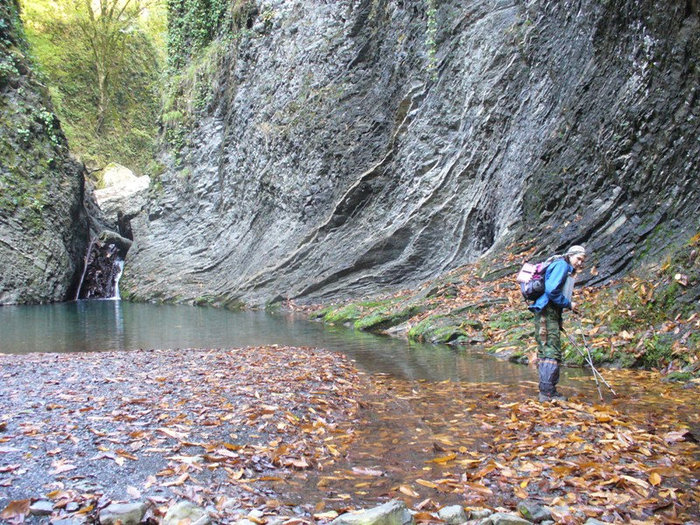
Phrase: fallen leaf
(408, 491)
(16, 510)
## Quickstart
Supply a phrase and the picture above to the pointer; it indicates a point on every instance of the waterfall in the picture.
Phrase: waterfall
(119, 264)
(103, 269)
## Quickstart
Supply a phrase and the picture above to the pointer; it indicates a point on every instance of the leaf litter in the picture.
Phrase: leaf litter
(301, 433)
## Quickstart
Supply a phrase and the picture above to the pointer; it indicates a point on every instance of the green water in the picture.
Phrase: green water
(93, 326)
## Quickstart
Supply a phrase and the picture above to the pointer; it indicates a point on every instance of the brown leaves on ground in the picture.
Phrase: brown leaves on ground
(272, 428)
(493, 445)
(164, 424)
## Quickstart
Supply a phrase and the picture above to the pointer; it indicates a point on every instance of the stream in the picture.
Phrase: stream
(430, 400)
(105, 325)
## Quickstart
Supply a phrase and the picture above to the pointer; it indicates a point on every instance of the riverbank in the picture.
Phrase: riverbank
(297, 435)
(650, 319)
(210, 426)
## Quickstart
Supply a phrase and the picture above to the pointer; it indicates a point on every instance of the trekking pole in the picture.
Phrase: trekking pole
(590, 358)
(587, 360)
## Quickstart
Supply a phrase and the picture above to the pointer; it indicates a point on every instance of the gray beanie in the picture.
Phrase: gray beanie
(576, 250)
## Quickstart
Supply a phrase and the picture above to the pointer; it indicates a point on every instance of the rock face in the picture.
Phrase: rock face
(43, 223)
(357, 145)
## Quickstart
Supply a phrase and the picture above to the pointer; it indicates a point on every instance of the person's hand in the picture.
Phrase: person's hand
(574, 307)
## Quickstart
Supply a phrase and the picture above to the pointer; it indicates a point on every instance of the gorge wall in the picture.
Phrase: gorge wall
(352, 146)
(43, 222)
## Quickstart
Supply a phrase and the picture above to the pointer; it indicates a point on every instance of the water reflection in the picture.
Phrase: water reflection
(86, 326)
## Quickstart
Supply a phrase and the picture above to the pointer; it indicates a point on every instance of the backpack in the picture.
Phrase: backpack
(531, 278)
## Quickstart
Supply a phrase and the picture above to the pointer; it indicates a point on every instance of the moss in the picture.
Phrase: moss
(657, 352)
(344, 314)
(382, 320)
(443, 328)
(130, 130)
(449, 334)
(273, 307)
(511, 319)
(204, 301)
(680, 377)
(320, 314)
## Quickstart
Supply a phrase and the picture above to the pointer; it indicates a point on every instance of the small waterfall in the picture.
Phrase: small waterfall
(119, 264)
(103, 267)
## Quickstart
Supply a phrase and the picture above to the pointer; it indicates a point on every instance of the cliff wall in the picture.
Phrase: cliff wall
(43, 223)
(351, 146)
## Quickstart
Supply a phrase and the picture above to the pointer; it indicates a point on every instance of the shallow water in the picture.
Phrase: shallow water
(88, 326)
(430, 400)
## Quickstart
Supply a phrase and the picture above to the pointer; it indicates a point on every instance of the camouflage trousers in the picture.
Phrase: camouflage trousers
(548, 337)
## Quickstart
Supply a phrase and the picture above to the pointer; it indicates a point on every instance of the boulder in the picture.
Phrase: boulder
(477, 514)
(503, 518)
(453, 515)
(122, 191)
(393, 512)
(123, 514)
(534, 512)
(41, 508)
(188, 512)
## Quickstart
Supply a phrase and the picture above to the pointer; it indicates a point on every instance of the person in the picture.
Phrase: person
(559, 281)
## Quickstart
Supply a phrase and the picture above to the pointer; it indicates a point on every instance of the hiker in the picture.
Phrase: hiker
(559, 284)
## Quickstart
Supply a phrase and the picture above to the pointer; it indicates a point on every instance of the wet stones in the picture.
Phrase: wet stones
(123, 513)
(41, 508)
(534, 512)
(186, 512)
(393, 512)
(453, 515)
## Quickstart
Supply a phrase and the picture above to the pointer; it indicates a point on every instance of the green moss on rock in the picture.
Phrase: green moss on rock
(381, 320)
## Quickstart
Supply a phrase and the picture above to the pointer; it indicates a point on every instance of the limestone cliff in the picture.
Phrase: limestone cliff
(353, 145)
(43, 223)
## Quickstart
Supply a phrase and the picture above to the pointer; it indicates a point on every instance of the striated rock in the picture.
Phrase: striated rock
(340, 154)
(123, 514)
(186, 511)
(453, 515)
(393, 512)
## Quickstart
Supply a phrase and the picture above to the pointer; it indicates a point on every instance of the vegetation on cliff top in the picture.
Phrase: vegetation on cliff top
(649, 319)
(200, 37)
(31, 143)
(103, 77)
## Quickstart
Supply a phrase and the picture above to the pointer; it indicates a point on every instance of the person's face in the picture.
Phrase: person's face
(577, 261)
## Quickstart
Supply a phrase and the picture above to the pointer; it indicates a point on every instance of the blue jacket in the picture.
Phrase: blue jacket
(554, 279)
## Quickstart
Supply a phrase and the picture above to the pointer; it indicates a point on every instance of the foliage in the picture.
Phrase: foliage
(105, 25)
(430, 37)
(201, 34)
(31, 142)
(115, 120)
(169, 420)
(189, 92)
(194, 24)
(253, 426)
